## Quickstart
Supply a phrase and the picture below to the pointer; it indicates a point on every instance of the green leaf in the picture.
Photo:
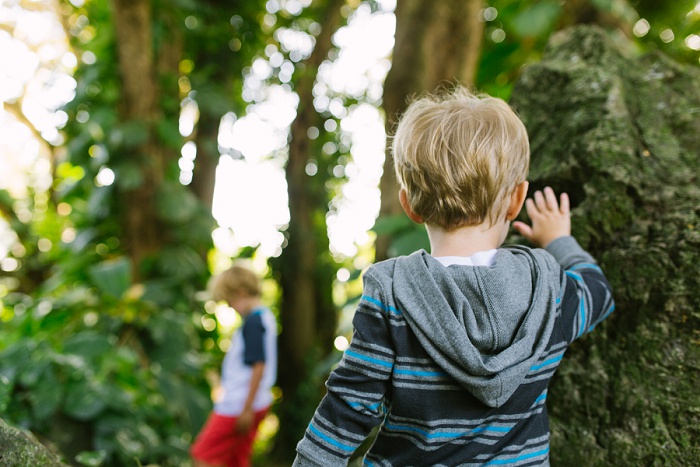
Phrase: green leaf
(190, 402)
(6, 200)
(169, 133)
(160, 292)
(407, 243)
(16, 358)
(176, 204)
(387, 225)
(83, 239)
(98, 203)
(181, 263)
(84, 399)
(91, 458)
(169, 331)
(128, 442)
(129, 135)
(120, 397)
(55, 320)
(213, 100)
(128, 176)
(87, 344)
(197, 235)
(36, 370)
(46, 395)
(537, 20)
(148, 435)
(5, 392)
(112, 277)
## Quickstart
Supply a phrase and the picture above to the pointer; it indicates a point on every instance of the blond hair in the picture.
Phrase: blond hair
(459, 156)
(235, 280)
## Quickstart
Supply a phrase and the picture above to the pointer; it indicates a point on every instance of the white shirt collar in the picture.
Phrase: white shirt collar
(482, 258)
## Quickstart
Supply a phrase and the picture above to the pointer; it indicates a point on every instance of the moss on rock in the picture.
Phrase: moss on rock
(18, 449)
(621, 134)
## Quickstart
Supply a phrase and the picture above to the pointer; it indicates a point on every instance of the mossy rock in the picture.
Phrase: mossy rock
(19, 449)
(620, 132)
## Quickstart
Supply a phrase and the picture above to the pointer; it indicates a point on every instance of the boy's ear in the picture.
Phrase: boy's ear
(517, 199)
(403, 199)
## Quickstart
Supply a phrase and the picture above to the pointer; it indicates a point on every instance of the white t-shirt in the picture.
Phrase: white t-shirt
(254, 341)
(482, 258)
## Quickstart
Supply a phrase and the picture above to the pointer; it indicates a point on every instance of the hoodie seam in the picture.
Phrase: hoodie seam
(493, 324)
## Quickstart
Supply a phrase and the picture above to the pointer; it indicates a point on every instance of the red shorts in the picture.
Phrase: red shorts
(219, 444)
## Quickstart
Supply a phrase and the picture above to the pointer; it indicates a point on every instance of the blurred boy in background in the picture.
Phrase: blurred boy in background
(248, 373)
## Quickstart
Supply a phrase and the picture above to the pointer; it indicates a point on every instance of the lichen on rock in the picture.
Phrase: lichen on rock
(621, 134)
(19, 449)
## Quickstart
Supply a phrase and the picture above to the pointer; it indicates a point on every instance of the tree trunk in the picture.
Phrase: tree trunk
(437, 43)
(622, 136)
(204, 176)
(306, 300)
(137, 68)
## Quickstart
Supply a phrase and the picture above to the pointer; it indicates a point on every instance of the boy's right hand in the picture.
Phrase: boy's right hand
(550, 220)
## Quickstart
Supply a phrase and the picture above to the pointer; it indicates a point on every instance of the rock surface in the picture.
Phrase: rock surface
(621, 134)
(18, 449)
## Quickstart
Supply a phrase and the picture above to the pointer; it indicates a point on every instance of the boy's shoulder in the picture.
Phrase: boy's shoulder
(381, 272)
(385, 269)
(538, 258)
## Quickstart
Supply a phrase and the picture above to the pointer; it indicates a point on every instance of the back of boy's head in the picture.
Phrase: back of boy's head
(236, 280)
(459, 156)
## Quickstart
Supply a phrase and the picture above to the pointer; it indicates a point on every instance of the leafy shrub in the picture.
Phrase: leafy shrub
(113, 381)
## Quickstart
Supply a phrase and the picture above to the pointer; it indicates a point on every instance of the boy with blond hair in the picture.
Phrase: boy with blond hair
(453, 350)
(247, 374)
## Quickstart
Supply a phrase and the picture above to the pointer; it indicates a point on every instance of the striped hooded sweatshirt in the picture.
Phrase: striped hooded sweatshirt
(453, 362)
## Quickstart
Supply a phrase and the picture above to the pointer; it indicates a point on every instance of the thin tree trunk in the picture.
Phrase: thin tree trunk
(299, 305)
(208, 155)
(303, 308)
(437, 43)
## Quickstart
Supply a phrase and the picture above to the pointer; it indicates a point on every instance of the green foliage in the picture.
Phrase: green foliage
(112, 277)
(127, 372)
(536, 20)
(406, 236)
(176, 204)
(681, 17)
(110, 370)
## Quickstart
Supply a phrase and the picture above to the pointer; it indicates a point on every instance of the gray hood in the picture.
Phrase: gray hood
(486, 326)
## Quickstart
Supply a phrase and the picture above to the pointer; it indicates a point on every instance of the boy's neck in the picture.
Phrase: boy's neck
(248, 305)
(468, 240)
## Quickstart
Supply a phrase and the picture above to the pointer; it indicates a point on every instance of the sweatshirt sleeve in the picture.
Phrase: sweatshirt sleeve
(587, 298)
(355, 400)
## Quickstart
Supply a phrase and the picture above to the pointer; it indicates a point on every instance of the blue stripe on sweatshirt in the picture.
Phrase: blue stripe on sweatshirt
(369, 359)
(381, 305)
(518, 459)
(330, 440)
(445, 434)
(607, 313)
(546, 363)
(582, 304)
(585, 266)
